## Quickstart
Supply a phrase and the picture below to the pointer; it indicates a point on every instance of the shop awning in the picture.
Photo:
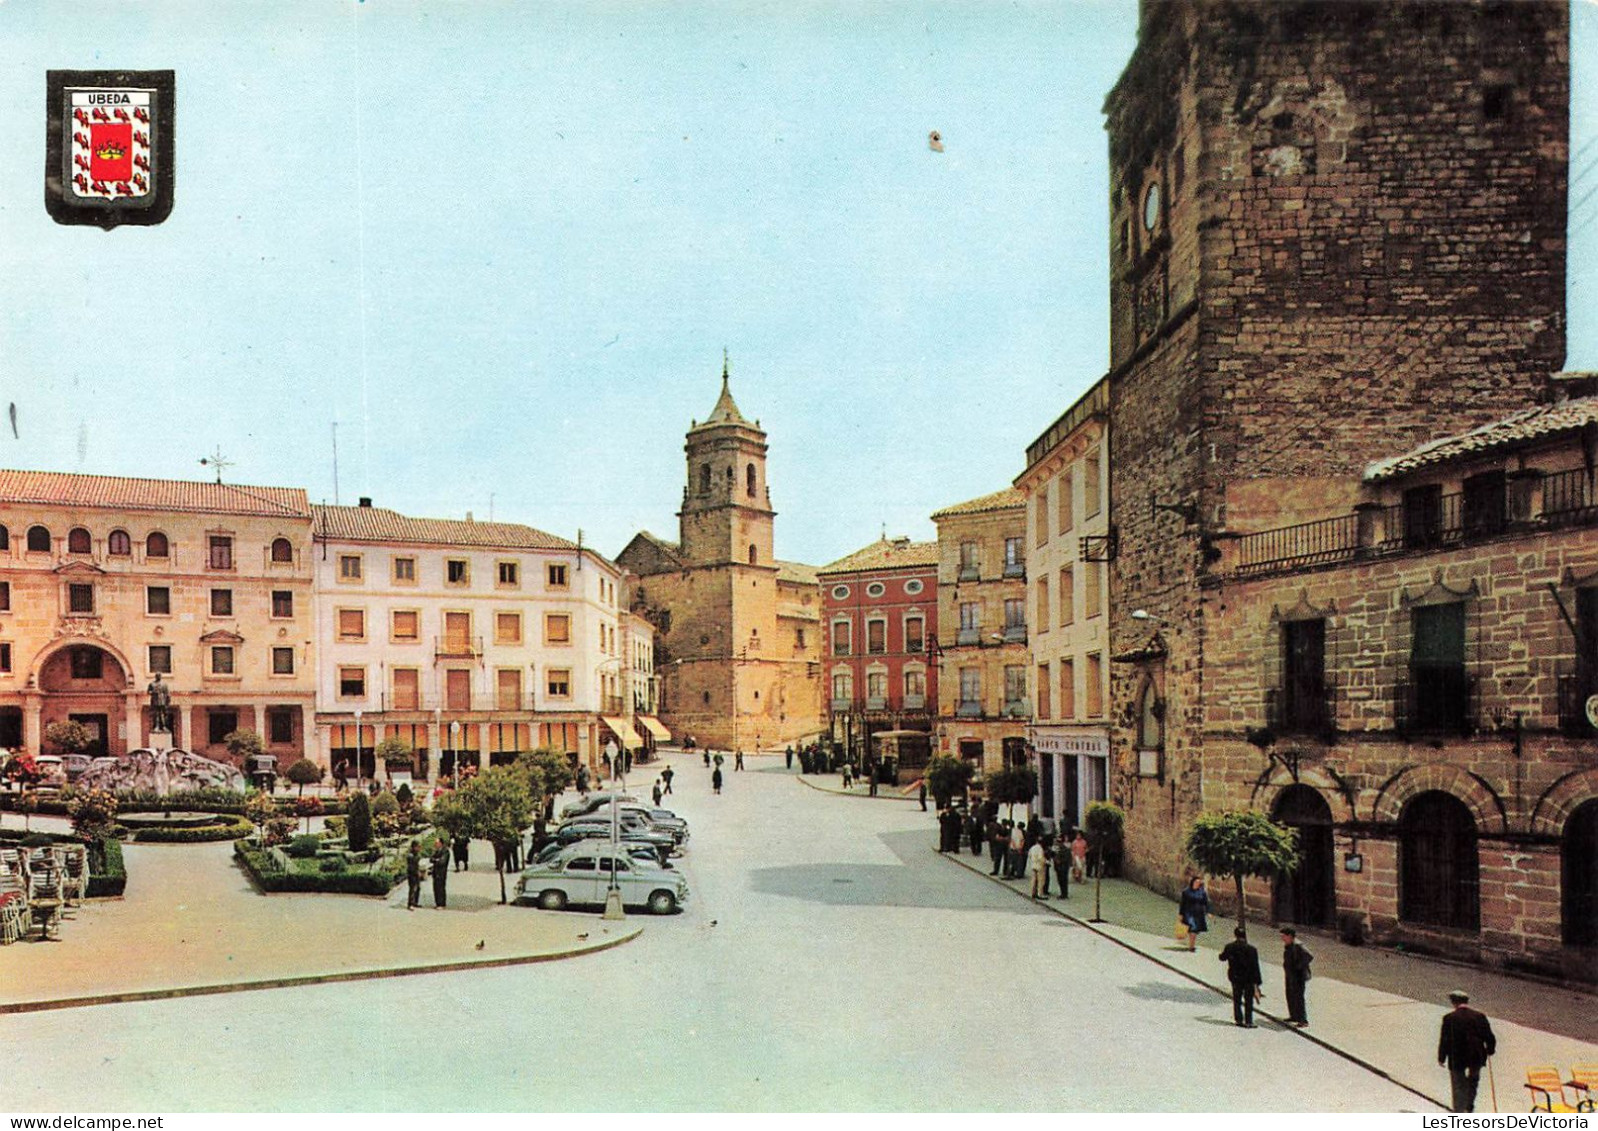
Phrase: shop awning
(654, 727)
(630, 739)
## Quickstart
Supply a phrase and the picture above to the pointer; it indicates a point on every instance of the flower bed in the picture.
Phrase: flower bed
(274, 873)
(225, 828)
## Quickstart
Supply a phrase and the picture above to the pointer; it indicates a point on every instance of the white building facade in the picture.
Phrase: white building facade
(1071, 543)
(469, 641)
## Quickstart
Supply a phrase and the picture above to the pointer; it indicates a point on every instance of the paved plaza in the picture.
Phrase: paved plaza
(828, 959)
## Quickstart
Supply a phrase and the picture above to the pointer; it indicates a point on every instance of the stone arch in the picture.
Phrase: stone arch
(1562, 799)
(1484, 804)
(1270, 788)
(62, 643)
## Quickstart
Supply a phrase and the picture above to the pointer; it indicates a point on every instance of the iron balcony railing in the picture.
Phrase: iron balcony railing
(915, 702)
(1575, 689)
(1569, 497)
(969, 636)
(1435, 701)
(1308, 543)
(457, 647)
(968, 709)
(1017, 708)
(1304, 711)
(1015, 569)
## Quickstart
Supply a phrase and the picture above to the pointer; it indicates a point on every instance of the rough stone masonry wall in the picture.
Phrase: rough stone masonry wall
(1384, 250)
(1517, 644)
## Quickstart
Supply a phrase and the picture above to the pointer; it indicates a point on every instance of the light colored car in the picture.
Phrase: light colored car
(584, 878)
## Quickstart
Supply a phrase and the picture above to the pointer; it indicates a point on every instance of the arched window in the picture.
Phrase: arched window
(752, 555)
(156, 546)
(1150, 718)
(749, 481)
(78, 541)
(1578, 856)
(38, 540)
(282, 550)
(704, 479)
(1438, 870)
(119, 544)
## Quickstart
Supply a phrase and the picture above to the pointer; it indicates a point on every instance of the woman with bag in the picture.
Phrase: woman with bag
(1193, 910)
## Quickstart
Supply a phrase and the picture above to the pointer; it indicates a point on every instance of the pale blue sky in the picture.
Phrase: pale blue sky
(555, 216)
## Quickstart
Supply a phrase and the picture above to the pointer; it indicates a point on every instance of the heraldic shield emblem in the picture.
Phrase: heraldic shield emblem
(108, 153)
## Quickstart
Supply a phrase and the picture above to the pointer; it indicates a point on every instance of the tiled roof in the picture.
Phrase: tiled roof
(885, 554)
(1523, 427)
(796, 573)
(1011, 498)
(378, 524)
(55, 488)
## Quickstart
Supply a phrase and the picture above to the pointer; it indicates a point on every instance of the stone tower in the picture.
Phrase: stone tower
(1337, 230)
(738, 633)
(726, 511)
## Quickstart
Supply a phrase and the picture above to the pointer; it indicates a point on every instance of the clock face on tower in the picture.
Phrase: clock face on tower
(1151, 207)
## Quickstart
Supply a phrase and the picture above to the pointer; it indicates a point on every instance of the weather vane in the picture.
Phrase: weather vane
(215, 460)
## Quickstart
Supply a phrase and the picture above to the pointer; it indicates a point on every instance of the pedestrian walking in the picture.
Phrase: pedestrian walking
(1079, 857)
(715, 780)
(1016, 859)
(1193, 911)
(738, 760)
(1295, 965)
(974, 831)
(439, 865)
(998, 844)
(922, 794)
(848, 775)
(1062, 866)
(655, 792)
(413, 876)
(706, 753)
(788, 756)
(665, 780)
(1463, 1046)
(463, 853)
(1037, 864)
(1243, 971)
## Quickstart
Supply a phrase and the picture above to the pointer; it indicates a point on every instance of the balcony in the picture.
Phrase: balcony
(876, 702)
(1015, 569)
(1299, 711)
(476, 704)
(1018, 708)
(612, 704)
(968, 709)
(969, 573)
(840, 706)
(1435, 702)
(969, 636)
(1015, 634)
(1574, 691)
(457, 647)
(915, 702)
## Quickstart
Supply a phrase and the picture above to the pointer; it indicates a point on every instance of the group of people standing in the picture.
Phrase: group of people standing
(437, 867)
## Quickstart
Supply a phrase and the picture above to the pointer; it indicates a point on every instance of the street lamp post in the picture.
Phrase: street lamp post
(455, 749)
(613, 907)
(357, 746)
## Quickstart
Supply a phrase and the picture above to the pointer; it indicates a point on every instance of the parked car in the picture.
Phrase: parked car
(588, 828)
(593, 802)
(584, 878)
(638, 850)
(75, 765)
(660, 818)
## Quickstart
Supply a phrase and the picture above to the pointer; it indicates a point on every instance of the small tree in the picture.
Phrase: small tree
(244, 744)
(555, 771)
(946, 776)
(22, 769)
(303, 773)
(1242, 843)
(69, 737)
(1012, 786)
(94, 814)
(359, 825)
(260, 808)
(395, 752)
(1103, 824)
(499, 808)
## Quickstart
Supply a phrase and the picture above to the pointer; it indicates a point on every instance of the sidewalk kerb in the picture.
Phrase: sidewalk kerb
(1090, 925)
(801, 779)
(294, 980)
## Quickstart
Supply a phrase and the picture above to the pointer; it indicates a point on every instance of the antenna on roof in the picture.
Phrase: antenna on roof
(579, 547)
(215, 460)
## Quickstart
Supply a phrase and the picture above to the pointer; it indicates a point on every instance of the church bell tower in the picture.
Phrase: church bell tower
(726, 515)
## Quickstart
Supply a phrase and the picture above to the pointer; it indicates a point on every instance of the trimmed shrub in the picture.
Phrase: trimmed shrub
(331, 864)
(257, 863)
(336, 826)
(304, 846)
(359, 825)
(229, 829)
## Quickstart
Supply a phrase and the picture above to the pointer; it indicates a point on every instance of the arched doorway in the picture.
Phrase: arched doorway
(1578, 868)
(86, 684)
(1438, 868)
(1307, 895)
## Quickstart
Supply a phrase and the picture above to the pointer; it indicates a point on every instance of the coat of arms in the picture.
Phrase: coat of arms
(109, 150)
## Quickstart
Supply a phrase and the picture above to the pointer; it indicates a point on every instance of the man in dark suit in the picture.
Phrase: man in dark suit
(1243, 971)
(440, 871)
(1463, 1046)
(1295, 964)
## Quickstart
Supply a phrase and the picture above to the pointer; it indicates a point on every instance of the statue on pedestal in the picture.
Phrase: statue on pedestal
(160, 705)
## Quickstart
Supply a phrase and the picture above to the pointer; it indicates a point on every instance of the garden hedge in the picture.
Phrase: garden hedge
(260, 868)
(109, 878)
(231, 830)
